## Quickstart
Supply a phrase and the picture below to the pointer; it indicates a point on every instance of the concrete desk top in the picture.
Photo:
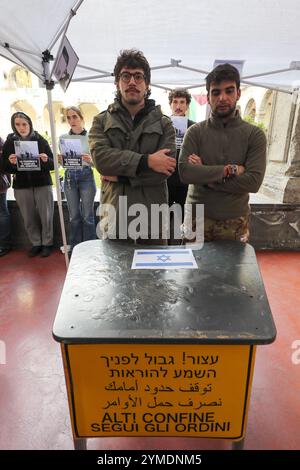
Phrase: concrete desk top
(221, 302)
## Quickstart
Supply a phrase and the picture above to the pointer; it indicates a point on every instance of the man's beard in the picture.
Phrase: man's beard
(133, 101)
(225, 114)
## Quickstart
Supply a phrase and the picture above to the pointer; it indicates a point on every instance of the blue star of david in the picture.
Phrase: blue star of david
(164, 258)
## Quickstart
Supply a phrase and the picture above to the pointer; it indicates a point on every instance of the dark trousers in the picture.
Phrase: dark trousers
(5, 240)
(177, 194)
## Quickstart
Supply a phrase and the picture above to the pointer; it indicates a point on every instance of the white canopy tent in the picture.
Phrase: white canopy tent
(181, 40)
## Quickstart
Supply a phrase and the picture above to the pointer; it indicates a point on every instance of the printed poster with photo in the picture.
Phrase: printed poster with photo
(65, 64)
(71, 151)
(180, 126)
(27, 153)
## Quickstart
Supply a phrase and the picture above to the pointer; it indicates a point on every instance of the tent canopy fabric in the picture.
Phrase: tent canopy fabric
(182, 36)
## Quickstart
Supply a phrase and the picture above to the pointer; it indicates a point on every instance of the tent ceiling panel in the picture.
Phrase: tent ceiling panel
(28, 27)
(265, 34)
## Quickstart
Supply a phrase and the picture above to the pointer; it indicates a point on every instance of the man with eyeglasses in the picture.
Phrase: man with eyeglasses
(133, 147)
(223, 159)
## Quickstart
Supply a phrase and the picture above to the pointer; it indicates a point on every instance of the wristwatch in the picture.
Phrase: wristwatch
(233, 169)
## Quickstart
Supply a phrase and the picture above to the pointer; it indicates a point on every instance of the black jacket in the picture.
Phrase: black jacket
(28, 179)
(1, 161)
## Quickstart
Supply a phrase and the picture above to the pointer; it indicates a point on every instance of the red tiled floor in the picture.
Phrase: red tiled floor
(33, 405)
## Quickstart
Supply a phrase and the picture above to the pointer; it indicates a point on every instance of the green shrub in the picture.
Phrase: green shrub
(251, 120)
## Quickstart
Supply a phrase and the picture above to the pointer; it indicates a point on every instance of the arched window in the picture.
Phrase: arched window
(22, 78)
(59, 117)
(25, 107)
(89, 111)
(250, 110)
(265, 109)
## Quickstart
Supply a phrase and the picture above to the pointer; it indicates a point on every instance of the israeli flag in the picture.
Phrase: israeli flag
(175, 258)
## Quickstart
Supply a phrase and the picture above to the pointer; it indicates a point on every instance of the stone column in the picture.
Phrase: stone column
(292, 188)
(282, 179)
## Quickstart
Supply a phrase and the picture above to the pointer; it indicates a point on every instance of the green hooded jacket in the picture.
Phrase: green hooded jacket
(118, 143)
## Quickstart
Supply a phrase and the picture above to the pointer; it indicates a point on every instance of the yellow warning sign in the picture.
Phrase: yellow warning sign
(155, 390)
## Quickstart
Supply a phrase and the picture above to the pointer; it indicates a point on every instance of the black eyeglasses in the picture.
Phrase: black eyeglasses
(137, 76)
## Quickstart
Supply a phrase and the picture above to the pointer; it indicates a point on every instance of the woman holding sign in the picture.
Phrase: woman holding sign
(27, 155)
(79, 183)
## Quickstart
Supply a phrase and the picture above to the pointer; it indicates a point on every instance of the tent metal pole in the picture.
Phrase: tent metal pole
(49, 86)
(7, 46)
(192, 69)
(63, 29)
(200, 85)
(161, 87)
(85, 67)
(246, 82)
(62, 32)
(92, 77)
(267, 87)
(266, 73)
(58, 192)
(160, 67)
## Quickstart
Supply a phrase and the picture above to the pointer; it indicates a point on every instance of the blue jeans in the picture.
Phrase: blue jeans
(5, 241)
(80, 191)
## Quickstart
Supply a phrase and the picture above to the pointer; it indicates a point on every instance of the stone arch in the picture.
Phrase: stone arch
(265, 109)
(19, 78)
(250, 109)
(59, 118)
(25, 107)
(89, 111)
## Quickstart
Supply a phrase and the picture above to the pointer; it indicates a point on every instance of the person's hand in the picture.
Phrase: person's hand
(161, 163)
(87, 158)
(59, 158)
(109, 179)
(13, 159)
(43, 157)
(241, 170)
(195, 159)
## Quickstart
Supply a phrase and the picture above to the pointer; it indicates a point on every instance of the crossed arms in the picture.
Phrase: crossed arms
(230, 177)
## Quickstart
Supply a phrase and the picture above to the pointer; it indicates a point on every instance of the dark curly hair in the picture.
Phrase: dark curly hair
(180, 93)
(221, 73)
(134, 59)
